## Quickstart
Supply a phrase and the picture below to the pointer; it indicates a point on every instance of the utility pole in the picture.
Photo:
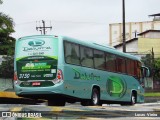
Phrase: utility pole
(152, 52)
(43, 29)
(124, 31)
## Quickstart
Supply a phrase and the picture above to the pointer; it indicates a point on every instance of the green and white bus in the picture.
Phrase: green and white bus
(62, 69)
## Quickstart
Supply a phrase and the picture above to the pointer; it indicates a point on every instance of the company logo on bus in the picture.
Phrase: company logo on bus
(35, 43)
(116, 86)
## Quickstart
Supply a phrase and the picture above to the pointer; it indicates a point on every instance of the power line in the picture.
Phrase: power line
(80, 22)
(65, 21)
(23, 23)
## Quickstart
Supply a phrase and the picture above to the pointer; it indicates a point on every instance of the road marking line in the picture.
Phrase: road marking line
(111, 107)
(55, 109)
(16, 109)
(73, 109)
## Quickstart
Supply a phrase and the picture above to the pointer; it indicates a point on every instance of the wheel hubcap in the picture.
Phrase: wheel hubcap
(133, 99)
(95, 98)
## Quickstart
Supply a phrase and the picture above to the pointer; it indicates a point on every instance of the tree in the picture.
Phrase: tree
(157, 68)
(157, 63)
(7, 67)
(148, 61)
(1, 1)
(7, 44)
(6, 28)
(152, 63)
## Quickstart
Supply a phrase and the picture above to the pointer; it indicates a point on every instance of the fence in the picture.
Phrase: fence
(6, 84)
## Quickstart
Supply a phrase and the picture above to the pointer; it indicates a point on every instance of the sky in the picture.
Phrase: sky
(86, 20)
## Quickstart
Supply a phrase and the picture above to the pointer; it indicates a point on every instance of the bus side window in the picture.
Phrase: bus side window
(99, 59)
(121, 66)
(72, 53)
(130, 67)
(86, 56)
(138, 70)
(110, 62)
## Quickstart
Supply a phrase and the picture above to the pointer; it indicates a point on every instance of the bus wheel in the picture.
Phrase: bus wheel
(133, 99)
(95, 99)
(56, 102)
(85, 103)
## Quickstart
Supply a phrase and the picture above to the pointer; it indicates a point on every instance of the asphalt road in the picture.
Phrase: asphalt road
(76, 111)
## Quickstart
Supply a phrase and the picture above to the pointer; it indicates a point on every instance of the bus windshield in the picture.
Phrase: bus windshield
(36, 58)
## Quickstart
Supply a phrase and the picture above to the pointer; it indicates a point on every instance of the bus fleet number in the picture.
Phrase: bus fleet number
(24, 75)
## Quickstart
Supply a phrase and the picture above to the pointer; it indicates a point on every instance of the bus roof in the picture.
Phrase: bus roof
(97, 46)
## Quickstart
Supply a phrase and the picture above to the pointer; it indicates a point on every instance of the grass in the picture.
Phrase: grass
(151, 94)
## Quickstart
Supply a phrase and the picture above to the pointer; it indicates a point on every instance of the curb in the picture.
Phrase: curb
(5, 94)
(157, 110)
(11, 97)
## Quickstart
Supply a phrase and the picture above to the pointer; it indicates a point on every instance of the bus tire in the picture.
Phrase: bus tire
(133, 99)
(95, 98)
(85, 103)
(56, 102)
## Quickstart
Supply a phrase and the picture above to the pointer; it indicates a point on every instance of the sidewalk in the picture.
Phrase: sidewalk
(6, 89)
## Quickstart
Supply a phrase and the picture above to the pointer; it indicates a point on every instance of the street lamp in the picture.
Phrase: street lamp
(123, 16)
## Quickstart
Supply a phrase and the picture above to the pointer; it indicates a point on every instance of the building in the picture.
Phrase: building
(131, 46)
(149, 41)
(146, 42)
(132, 29)
(141, 37)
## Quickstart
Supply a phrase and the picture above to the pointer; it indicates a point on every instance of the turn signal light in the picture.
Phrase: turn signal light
(59, 74)
(15, 76)
(59, 77)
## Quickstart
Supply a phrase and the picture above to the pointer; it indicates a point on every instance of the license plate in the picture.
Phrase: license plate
(36, 83)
